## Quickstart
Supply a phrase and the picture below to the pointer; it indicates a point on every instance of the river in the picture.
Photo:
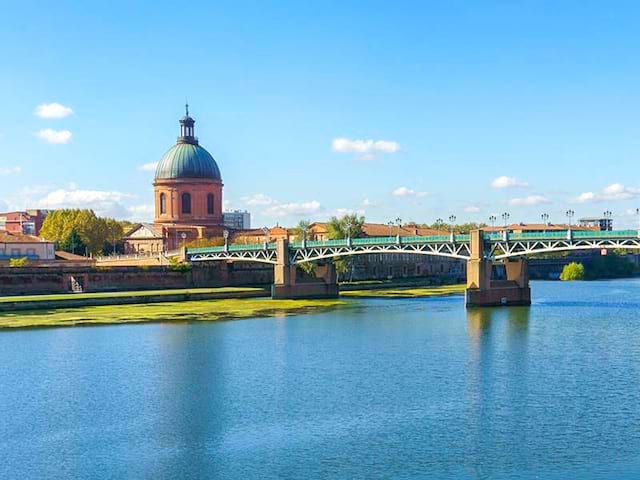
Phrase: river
(407, 388)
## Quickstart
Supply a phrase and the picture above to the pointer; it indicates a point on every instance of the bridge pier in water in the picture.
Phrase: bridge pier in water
(287, 284)
(485, 288)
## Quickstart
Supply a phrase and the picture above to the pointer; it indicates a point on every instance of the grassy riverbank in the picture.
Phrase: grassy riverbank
(408, 292)
(205, 310)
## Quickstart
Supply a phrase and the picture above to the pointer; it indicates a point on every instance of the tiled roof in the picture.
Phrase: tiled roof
(10, 237)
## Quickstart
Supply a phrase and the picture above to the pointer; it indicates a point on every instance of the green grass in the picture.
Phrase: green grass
(205, 310)
(409, 292)
(138, 293)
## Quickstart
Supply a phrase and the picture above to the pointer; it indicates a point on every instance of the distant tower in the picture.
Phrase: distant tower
(188, 184)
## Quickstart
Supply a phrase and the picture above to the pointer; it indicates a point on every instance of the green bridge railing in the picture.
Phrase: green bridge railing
(459, 238)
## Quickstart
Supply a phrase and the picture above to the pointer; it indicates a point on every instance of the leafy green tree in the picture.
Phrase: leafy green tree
(348, 226)
(92, 230)
(572, 271)
(72, 243)
(302, 230)
(609, 266)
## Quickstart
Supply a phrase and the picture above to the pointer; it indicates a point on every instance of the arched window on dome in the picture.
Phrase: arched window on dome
(163, 204)
(210, 204)
(186, 203)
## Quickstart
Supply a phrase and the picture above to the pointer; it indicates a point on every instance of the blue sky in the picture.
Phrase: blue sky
(411, 109)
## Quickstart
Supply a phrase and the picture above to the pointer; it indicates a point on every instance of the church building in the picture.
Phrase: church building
(187, 196)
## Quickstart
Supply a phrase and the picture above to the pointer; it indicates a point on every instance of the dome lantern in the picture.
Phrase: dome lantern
(187, 131)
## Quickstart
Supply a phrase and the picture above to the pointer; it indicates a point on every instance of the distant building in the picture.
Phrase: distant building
(28, 222)
(237, 220)
(19, 245)
(602, 224)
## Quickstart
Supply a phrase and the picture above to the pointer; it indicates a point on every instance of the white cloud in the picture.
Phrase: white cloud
(148, 167)
(407, 192)
(10, 171)
(54, 136)
(106, 203)
(613, 192)
(508, 182)
(530, 200)
(142, 212)
(53, 110)
(258, 199)
(285, 209)
(341, 212)
(472, 209)
(366, 149)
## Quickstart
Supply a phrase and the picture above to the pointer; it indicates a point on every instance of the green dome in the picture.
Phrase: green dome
(187, 160)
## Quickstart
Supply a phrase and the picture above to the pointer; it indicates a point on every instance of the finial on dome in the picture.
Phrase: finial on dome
(186, 107)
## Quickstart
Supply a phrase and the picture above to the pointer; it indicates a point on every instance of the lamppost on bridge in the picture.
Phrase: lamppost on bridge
(439, 223)
(607, 219)
(452, 221)
(638, 216)
(492, 220)
(399, 223)
(570, 214)
(545, 219)
(505, 218)
(390, 228)
(225, 235)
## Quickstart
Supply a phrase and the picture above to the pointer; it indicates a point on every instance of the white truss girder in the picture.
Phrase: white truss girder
(517, 248)
(260, 256)
(444, 249)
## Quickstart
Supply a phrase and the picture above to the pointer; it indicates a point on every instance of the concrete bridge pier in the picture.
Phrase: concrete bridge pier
(485, 288)
(288, 284)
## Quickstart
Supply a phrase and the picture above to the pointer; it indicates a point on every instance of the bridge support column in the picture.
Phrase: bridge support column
(485, 290)
(287, 284)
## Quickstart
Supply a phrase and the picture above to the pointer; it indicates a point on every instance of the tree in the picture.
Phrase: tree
(92, 230)
(572, 271)
(302, 230)
(348, 226)
(72, 243)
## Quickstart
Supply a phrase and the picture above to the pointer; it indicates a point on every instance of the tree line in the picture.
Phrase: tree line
(82, 232)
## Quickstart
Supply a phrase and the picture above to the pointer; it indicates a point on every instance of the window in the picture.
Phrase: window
(15, 252)
(210, 204)
(163, 204)
(31, 252)
(186, 203)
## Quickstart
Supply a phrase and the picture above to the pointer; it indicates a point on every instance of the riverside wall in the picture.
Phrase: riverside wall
(59, 279)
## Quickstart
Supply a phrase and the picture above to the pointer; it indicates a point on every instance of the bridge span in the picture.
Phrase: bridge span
(482, 250)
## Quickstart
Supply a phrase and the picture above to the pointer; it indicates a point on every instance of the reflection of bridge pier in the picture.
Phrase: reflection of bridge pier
(490, 283)
(288, 283)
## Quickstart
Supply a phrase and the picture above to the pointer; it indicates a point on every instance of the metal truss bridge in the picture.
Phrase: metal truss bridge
(496, 246)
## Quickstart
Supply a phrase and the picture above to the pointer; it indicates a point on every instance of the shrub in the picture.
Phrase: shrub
(572, 271)
(176, 265)
(18, 262)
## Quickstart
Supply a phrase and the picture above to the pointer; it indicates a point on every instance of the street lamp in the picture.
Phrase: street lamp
(545, 219)
(183, 236)
(399, 223)
(570, 214)
(638, 215)
(225, 235)
(607, 219)
(439, 223)
(390, 228)
(452, 221)
(492, 220)
(505, 218)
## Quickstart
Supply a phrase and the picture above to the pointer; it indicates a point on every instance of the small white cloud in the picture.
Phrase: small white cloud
(472, 209)
(408, 192)
(258, 199)
(613, 192)
(285, 209)
(530, 200)
(53, 110)
(508, 182)
(141, 212)
(106, 203)
(10, 171)
(54, 136)
(148, 167)
(341, 212)
(366, 149)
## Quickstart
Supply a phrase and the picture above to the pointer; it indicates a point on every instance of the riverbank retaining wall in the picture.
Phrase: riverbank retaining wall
(43, 280)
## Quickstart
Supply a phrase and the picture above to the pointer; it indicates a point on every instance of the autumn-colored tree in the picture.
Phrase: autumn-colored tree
(92, 230)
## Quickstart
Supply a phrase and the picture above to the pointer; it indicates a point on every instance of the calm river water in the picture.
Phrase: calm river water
(415, 388)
